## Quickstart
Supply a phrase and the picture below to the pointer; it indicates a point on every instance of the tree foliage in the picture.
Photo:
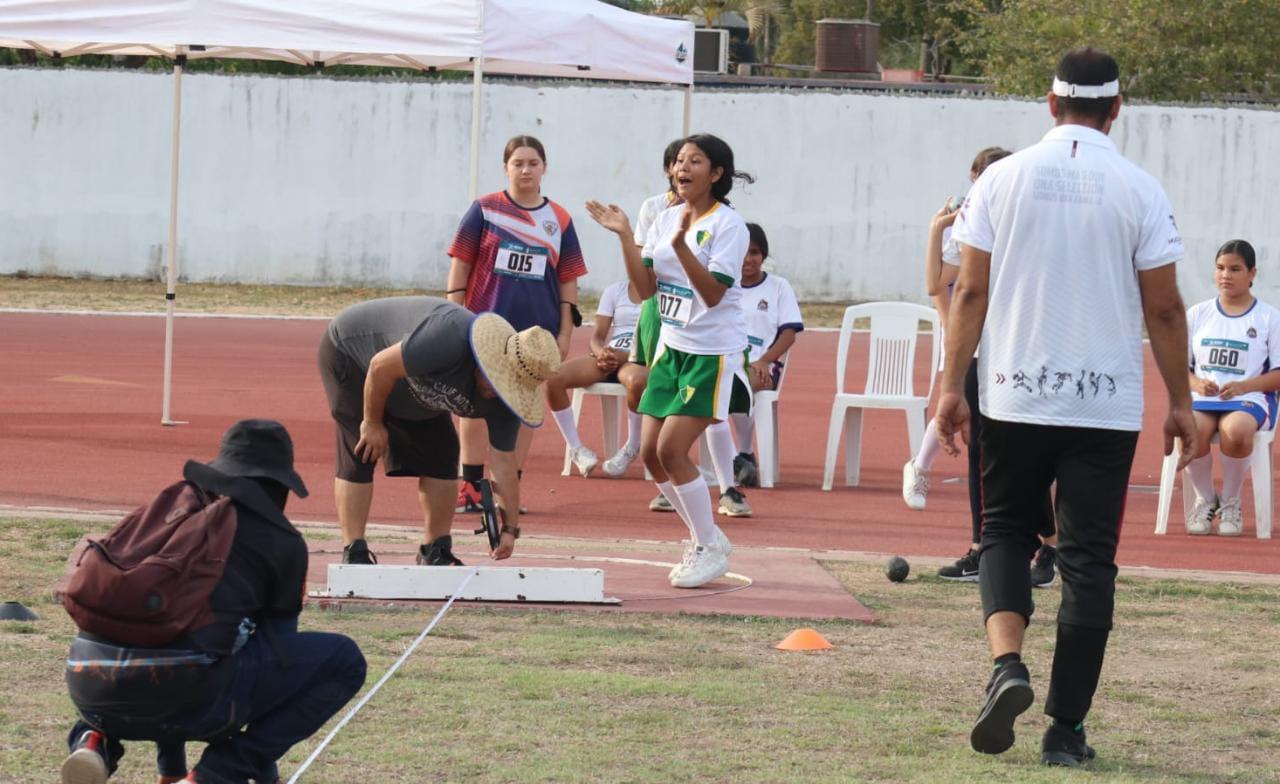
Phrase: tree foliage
(1184, 50)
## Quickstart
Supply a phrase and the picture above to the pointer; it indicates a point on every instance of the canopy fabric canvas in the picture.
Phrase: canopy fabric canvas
(582, 39)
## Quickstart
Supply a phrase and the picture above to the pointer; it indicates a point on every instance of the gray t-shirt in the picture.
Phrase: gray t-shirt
(436, 337)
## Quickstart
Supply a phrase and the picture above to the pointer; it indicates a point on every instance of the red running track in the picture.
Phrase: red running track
(79, 428)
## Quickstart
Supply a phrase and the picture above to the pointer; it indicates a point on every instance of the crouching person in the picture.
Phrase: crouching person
(208, 650)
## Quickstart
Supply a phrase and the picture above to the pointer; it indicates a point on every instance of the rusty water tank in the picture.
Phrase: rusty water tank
(848, 46)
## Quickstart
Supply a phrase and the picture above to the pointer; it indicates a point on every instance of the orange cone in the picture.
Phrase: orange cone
(804, 640)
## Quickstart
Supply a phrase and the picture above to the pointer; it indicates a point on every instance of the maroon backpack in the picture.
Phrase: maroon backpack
(148, 580)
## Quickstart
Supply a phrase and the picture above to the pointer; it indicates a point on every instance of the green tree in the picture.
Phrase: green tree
(929, 34)
(1185, 50)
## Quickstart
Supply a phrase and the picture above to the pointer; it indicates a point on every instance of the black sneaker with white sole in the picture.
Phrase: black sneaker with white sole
(1008, 695)
(964, 570)
(438, 553)
(1044, 569)
(358, 553)
(1065, 746)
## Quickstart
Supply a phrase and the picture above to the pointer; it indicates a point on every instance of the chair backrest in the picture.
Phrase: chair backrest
(891, 363)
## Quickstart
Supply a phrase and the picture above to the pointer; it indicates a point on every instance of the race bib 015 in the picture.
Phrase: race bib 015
(521, 261)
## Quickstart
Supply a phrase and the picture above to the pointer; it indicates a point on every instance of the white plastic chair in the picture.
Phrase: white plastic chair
(890, 380)
(613, 407)
(1260, 476)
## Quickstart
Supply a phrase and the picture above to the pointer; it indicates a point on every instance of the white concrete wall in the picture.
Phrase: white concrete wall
(312, 180)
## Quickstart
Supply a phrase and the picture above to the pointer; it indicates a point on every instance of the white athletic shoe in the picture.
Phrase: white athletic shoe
(583, 459)
(915, 485)
(709, 562)
(1230, 523)
(685, 560)
(617, 465)
(1200, 518)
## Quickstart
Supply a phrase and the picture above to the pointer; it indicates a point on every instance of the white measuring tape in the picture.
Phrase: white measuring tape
(351, 714)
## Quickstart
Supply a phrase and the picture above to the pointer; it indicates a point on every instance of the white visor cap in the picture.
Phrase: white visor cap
(1068, 90)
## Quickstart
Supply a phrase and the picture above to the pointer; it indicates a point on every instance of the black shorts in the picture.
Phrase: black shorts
(416, 447)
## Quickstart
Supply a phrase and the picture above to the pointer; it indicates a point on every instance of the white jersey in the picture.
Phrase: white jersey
(1234, 348)
(719, 241)
(1069, 224)
(650, 209)
(769, 307)
(616, 304)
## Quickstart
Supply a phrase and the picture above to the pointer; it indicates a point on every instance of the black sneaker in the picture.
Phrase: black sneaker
(1008, 695)
(964, 570)
(1044, 570)
(1065, 747)
(87, 763)
(745, 471)
(438, 553)
(358, 553)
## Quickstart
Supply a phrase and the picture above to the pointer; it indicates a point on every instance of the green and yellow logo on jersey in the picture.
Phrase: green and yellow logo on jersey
(702, 236)
(687, 394)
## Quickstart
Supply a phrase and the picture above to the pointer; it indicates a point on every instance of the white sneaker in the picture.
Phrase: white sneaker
(583, 459)
(1200, 518)
(617, 465)
(915, 485)
(709, 562)
(685, 560)
(1230, 523)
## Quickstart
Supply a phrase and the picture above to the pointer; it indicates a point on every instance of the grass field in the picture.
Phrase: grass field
(147, 296)
(1189, 691)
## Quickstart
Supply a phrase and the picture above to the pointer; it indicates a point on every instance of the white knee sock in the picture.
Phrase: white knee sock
(1233, 471)
(929, 449)
(668, 491)
(745, 427)
(720, 439)
(567, 428)
(697, 502)
(634, 423)
(1201, 472)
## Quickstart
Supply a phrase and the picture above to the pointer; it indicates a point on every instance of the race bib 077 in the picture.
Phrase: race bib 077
(521, 261)
(675, 304)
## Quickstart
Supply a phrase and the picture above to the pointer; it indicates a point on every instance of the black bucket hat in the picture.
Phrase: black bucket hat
(259, 448)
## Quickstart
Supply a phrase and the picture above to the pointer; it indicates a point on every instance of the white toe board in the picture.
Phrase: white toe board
(491, 583)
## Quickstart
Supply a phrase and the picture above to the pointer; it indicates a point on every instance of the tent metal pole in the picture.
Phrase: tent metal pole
(688, 109)
(171, 249)
(477, 79)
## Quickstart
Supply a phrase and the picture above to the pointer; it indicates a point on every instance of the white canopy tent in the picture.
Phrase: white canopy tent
(581, 39)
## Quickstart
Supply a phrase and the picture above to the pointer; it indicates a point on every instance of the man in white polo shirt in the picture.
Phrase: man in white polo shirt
(1066, 249)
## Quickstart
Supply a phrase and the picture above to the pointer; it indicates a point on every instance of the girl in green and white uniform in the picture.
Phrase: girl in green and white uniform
(692, 260)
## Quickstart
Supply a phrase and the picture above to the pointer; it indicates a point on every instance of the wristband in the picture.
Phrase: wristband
(514, 530)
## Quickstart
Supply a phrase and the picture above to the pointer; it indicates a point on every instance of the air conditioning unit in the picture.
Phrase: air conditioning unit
(711, 51)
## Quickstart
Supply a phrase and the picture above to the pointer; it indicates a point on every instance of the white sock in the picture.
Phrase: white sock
(929, 449)
(567, 428)
(720, 439)
(668, 491)
(635, 421)
(697, 501)
(1201, 472)
(1233, 471)
(745, 427)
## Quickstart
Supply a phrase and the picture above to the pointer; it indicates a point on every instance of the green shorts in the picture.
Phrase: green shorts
(647, 328)
(697, 385)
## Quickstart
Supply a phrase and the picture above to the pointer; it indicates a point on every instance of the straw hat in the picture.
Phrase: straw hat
(515, 363)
